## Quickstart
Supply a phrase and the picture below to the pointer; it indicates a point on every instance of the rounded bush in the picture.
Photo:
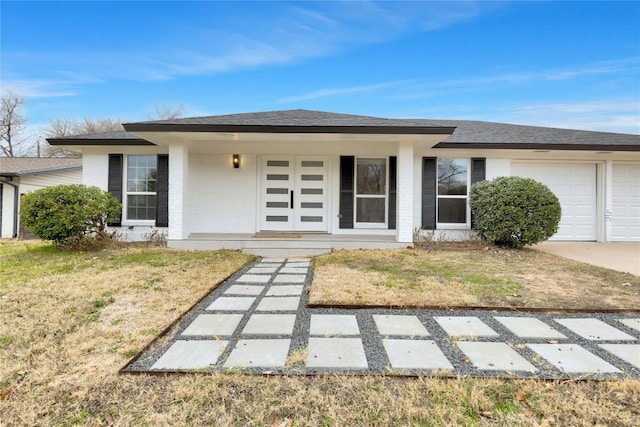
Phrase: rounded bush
(513, 211)
(64, 212)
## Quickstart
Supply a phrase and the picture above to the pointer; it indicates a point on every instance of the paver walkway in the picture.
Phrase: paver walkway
(258, 321)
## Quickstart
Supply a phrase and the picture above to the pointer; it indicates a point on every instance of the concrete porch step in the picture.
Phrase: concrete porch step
(285, 252)
(306, 245)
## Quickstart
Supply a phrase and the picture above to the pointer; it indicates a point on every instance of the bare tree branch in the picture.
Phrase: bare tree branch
(166, 112)
(57, 128)
(12, 122)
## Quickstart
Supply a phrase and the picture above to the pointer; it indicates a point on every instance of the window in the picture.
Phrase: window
(141, 186)
(371, 192)
(452, 188)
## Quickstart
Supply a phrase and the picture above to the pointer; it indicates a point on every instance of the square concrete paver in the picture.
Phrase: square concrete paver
(259, 353)
(465, 326)
(290, 278)
(298, 263)
(529, 327)
(573, 359)
(630, 353)
(244, 290)
(262, 270)
(594, 329)
(632, 323)
(278, 304)
(270, 324)
(284, 290)
(337, 353)
(254, 278)
(334, 324)
(272, 260)
(400, 325)
(304, 265)
(190, 355)
(294, 270)
(415, 354)
(213, 325)
(266, 265)
(494, 356)
(231, 304)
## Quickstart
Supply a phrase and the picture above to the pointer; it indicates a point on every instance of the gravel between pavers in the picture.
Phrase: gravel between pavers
(372, 341)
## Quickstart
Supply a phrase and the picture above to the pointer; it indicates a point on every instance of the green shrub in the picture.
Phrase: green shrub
(514, 211)
(68, 213)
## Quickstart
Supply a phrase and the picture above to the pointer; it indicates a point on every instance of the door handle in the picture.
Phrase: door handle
(291, 199)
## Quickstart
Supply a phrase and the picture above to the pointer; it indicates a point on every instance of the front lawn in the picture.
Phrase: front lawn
(69, 322)
(478, 275)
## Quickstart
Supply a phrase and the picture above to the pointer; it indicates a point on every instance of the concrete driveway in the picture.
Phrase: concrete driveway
(615, 256)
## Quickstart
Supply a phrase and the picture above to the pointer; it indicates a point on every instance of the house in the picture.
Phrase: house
(311, 180)
(20, 175)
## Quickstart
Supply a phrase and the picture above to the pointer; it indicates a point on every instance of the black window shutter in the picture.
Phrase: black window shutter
(478, 169)
(429, 174)
(114, 181)
(346, 191)
(393, 161)
(478, 173)
(162, 192)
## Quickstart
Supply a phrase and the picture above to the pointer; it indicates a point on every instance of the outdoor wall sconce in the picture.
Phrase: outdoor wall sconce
(236, 161)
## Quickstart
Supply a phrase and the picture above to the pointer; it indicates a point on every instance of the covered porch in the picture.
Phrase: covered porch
(286, 244)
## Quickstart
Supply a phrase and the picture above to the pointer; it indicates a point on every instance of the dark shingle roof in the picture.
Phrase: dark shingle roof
(118, 137)
(292, 121)
(462, 133)
(477, 134)
(20, 166)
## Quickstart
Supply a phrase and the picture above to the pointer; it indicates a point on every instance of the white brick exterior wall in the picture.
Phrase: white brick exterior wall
(178, 181)
(404, 230)
(207, 195)
(221, 199)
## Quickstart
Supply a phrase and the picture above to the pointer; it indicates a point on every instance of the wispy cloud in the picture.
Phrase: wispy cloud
(623, 66)
(605, 114)
(414, 89)
(291, 33)
(333, 92)
(609, 115)
(39, 88)
(56, 84)
(493, 81)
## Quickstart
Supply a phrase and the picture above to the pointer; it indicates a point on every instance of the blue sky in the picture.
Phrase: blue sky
(560, 64)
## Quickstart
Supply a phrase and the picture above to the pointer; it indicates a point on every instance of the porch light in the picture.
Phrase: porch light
(236, 161)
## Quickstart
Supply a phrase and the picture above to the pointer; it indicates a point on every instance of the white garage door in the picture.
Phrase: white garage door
(575, 186)
(625, 212)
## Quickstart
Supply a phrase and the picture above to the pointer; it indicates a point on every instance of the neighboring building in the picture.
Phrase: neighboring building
(21, 175)
(338, 180)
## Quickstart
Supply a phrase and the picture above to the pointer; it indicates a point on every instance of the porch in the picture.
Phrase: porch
(286, 244)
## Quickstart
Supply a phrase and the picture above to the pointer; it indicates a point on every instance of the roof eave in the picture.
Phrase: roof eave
(99, 142)
(40, 171)
(538, 146)
(362, 130)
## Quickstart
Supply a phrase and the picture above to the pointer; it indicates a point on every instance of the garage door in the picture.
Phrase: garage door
(575, 186)
(625, 212)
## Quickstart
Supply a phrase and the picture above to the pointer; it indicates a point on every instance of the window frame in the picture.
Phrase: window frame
(384, 197)
(125, 193)
(454, 225)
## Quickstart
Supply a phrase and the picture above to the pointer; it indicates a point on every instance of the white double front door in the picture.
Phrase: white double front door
(294, 193)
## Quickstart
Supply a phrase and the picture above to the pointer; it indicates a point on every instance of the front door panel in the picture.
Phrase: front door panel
(277, 185)
(294, 193)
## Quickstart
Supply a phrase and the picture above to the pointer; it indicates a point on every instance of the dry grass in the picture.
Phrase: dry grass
(470, 277)
(70, 321)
